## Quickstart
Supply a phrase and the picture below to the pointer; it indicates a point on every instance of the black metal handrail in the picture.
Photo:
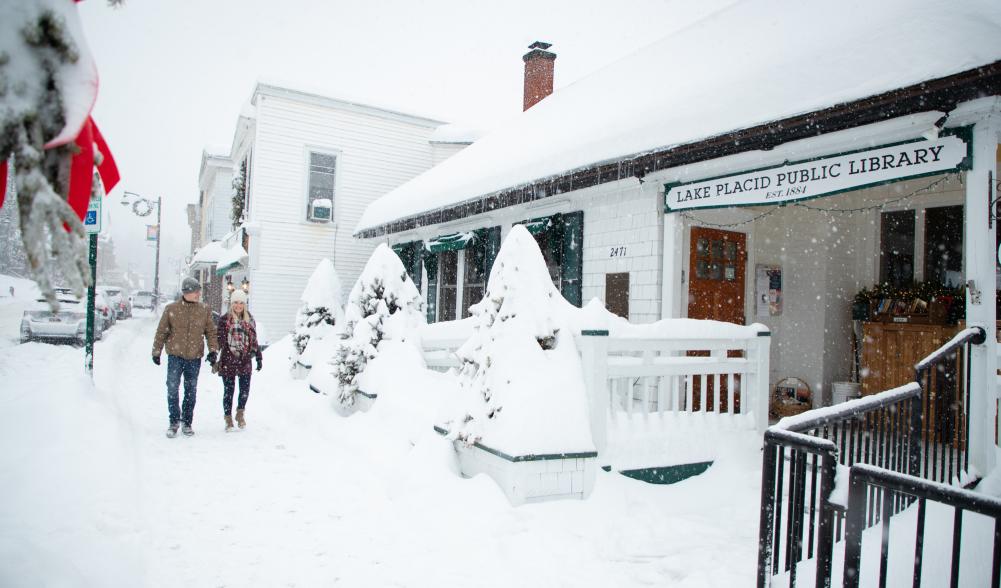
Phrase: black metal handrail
(945, 406)
(899, 430)
(866, 482)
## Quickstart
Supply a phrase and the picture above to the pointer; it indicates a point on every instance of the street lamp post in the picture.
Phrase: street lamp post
(144, 207)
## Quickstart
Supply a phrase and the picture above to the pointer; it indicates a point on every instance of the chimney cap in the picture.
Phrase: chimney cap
(538, 51)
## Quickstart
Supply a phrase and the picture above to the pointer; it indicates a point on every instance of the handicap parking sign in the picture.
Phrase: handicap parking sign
(92, 220)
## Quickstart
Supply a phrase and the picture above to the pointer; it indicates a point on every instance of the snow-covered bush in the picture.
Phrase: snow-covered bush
(384, 305)
(521, 384)
(322, 308)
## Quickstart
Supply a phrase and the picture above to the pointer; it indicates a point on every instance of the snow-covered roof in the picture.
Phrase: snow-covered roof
(232, 256)
(754, 62)
(209, 254)
(319, 95)
(455, 133)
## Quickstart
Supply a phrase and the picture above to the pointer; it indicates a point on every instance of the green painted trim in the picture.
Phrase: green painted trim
(221, 271)
(367, 395)
(669, 474)
(594, 333)
(528, 457)
(764, 333)
(963, 133)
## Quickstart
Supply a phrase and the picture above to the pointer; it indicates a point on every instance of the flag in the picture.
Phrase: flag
(152, 232)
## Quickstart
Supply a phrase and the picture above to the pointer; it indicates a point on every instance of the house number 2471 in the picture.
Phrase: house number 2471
(619, 251)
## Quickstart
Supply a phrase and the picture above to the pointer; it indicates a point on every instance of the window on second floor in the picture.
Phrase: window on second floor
(320, 203)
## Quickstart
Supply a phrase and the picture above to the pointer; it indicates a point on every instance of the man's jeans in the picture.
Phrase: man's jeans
(176, 367)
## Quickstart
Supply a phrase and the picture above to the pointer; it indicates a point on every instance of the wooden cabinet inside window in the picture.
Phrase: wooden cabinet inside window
(890, 350)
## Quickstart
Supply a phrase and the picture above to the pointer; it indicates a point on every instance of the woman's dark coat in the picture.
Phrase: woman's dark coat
(231, 364)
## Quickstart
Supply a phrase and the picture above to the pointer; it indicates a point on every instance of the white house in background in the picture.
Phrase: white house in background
(311, 165)
(215, 197)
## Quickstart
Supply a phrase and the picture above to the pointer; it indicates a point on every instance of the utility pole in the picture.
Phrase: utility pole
(156, 271)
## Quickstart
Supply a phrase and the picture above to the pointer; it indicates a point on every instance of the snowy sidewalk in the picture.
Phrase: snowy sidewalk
(95, 494)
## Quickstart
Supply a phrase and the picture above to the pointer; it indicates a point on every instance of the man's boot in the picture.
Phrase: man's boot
(187, 430)
(172, 430)
(229, 423)
(239, 418)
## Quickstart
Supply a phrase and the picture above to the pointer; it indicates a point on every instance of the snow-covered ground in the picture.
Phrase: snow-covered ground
(95, 494)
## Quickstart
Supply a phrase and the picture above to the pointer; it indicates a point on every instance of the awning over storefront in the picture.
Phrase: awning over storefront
(453, 242)
(217, 254)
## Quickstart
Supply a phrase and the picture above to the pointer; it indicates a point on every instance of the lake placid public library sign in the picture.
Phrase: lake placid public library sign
(820, 177)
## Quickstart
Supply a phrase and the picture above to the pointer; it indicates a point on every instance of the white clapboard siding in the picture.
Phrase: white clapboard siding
(376, 152)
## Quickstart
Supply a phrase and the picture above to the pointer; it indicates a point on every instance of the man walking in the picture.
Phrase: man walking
(183, 325)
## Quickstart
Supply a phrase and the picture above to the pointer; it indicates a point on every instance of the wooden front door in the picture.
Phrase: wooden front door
(716, 267)
(716, 270)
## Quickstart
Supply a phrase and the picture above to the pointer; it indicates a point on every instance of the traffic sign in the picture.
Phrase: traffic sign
(92, 220)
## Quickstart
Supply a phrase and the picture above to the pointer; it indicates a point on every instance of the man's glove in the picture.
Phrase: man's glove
(260, 363)
(156, 359)
(212, 356)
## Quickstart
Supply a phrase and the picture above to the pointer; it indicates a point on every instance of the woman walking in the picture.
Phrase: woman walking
(238, 344)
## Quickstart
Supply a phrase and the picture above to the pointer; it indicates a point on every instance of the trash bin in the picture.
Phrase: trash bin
(844, 391)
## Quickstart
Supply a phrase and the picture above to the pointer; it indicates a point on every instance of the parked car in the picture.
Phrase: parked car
(39, 323)
(103, 309)
(144, 299)
(118, 301)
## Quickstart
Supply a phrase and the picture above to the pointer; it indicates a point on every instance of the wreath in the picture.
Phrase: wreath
(142, 207)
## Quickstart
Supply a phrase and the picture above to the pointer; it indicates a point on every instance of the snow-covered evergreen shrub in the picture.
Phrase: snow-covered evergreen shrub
(384, 305)
(48, 84)
(322, 308)
(239, 195)
(521, 383)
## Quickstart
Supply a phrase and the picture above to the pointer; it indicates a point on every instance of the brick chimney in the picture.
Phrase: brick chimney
(538, 73)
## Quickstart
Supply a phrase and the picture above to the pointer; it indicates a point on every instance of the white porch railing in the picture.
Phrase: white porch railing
(630, 378)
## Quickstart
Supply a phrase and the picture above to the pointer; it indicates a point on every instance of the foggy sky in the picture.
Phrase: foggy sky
(175, 73)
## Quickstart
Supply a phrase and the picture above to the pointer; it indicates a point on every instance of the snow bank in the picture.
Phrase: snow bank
(521, 384)
(70, 514)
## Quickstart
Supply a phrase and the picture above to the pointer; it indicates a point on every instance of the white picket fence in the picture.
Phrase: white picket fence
(651, 391)
(632, 380)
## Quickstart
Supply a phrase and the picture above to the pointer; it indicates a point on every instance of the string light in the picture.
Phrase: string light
(847, 211)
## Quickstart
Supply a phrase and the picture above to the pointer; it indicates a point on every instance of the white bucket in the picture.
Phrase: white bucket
(844, 391)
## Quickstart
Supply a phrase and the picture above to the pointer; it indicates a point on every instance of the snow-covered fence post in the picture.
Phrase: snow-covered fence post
(758, 351)
(594, 356)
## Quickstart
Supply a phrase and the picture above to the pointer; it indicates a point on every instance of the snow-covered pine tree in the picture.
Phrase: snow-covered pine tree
(13, 259)
(322, 308)
(45, 79)
(521, 384)
(384, 304)
(239, 194)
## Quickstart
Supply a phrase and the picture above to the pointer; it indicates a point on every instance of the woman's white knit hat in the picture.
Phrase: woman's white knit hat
(238, 296)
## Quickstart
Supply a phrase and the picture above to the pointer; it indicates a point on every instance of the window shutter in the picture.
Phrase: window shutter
(431, 266)
(410, 254)
(493, 243)
(572, 257)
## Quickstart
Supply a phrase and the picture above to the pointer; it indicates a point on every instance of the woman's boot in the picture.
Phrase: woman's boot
(229, 423)
(239, 418)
